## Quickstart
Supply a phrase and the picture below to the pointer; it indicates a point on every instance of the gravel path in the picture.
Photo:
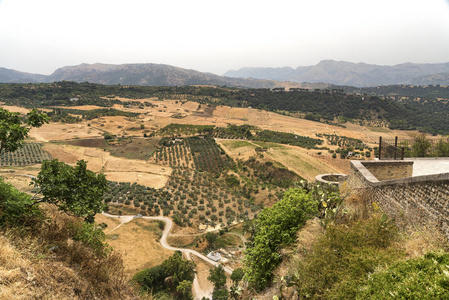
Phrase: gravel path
(199, 293)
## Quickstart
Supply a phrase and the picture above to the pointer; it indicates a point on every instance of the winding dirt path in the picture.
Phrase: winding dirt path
(199, 293)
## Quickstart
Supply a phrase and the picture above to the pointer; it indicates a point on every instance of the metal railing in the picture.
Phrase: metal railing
(390, 151)
(418, 147)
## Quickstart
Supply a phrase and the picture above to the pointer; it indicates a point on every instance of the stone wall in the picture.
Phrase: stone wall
(386, 170)
(421, 199)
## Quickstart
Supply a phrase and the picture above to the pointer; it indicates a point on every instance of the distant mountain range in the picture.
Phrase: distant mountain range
(317, 76)
(346, 73)
(136, 74)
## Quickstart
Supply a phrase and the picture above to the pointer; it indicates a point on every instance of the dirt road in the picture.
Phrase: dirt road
(199, 293)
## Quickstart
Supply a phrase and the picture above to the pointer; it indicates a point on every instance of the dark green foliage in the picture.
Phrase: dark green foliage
(274, 228)
(72, 189)
(15, 206)
(218, 277)
(61, 115)
(421, 145)
(151, 279)
(286, 138)
(237, 275)
(185, 129)
(175, 276)
(222, 294)
(232, 181)
(207, 155)
(178, 269)
(13, 132)
(422, 109)
(211, 238)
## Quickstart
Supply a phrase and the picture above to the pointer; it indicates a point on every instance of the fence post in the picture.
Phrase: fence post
(380, 148)
(395, 146)
(402, 153)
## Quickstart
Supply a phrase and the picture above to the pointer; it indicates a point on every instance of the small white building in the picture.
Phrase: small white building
(215, 256)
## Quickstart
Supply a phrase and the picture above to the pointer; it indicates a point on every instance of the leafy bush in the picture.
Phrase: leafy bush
(421, 278)
(344, 257)
(151, 279)
(90, 235)
(15, 206)
(274, 228)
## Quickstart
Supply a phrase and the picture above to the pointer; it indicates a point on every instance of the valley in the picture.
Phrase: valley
(209, 168)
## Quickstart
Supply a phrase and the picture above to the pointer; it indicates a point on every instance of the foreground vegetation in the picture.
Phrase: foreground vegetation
(362, 254)
(46, 254)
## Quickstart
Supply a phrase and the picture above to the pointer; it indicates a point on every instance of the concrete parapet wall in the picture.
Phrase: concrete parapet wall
(422, 199)
(388, 170)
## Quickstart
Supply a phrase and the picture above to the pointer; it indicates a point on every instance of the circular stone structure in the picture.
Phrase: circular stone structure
(333, 178)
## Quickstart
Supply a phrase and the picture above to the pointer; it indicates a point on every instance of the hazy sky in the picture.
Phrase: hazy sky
(39, 36)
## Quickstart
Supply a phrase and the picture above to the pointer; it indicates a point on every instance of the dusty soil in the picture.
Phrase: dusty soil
(205, 285)
(115, 168)
(137, 241)
(61, 131)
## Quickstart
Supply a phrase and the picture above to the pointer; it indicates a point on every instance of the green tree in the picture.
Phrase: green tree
(442, 148)
(184, 290)
(179, 269)
(151, 279)
(222, 294)
(12, 130)
(217, 276)
(237, 275)
(211, 238)
(74, 190)
(15, 206)
(274, 228)
(421, 145)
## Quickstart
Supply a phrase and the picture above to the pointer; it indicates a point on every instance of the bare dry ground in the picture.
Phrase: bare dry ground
(161, 115)
(61, 131)
(115, 168)
(137, 241)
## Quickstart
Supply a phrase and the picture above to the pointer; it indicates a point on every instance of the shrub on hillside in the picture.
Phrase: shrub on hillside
(274, 228)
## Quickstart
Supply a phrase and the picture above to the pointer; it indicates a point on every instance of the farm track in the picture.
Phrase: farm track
(199, 293)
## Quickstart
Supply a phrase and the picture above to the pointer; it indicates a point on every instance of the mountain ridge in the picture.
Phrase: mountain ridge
(137, 74)
(327, 72)
(347, 73)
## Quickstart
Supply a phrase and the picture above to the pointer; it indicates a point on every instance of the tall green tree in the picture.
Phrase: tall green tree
(13, 131)
(217, 276)
(74, 190)
(179, 269)
(274, 228)
(421, 145)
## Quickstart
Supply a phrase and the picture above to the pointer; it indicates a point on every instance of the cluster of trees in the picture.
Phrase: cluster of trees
(200, 153)
(421, 146)
(61, 115)
(173, 277)
(174, 129)
(30, 153)
(74, 190)
(427, 113)
(207, 155)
